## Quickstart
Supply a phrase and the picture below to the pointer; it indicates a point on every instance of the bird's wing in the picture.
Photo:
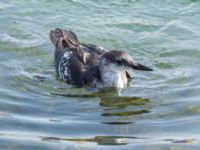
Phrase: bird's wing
(72, 70)
(94, 50)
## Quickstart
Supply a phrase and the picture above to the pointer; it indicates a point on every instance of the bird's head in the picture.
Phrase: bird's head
(121, 61)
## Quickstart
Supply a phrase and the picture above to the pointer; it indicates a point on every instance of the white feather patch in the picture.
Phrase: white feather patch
(63, 70)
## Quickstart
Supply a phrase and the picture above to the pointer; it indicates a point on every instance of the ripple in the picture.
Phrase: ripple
(4, 115)
(185, 141)
(159, 110)
(4, 6)
(20, 43)
(101, 140)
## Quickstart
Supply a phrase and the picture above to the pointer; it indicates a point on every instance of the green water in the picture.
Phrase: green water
(159, 110)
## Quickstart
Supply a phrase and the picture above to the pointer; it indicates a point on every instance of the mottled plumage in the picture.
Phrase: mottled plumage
(90, 65)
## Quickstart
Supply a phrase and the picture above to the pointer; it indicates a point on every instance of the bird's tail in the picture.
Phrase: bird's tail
(63, 38)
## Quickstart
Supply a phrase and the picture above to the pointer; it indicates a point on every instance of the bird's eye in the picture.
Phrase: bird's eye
(119, 62)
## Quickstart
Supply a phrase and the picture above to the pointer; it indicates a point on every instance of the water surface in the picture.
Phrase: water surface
(158, 110)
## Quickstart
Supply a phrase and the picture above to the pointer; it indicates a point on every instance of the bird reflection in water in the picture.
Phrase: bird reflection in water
(100, 140)
(113, 103)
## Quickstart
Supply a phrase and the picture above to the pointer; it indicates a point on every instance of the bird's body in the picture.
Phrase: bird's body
(90, 65)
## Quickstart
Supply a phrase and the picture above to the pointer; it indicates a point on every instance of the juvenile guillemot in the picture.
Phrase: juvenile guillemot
(90, 65)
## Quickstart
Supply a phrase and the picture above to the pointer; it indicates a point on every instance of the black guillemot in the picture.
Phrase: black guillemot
(81, 64)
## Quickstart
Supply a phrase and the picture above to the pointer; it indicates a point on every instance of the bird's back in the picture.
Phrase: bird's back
(75, 63)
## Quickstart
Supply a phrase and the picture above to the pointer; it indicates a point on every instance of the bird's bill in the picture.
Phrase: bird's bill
(138, 66)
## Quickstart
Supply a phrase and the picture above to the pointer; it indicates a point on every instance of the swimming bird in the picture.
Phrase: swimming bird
(90, 65)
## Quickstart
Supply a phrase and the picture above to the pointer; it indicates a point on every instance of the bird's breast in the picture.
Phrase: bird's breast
(114, 79)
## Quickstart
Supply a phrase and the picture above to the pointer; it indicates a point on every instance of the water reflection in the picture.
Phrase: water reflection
(117, 140)
(126, 113)
(100, 140)
(122, 101)
(114, 104)
(117, 123)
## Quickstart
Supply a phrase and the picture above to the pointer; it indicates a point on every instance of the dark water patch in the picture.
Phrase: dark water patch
(128, 113)
(117, 123)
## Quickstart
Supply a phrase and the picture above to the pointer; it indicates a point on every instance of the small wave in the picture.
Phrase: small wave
(3, 6)
(20, 43)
